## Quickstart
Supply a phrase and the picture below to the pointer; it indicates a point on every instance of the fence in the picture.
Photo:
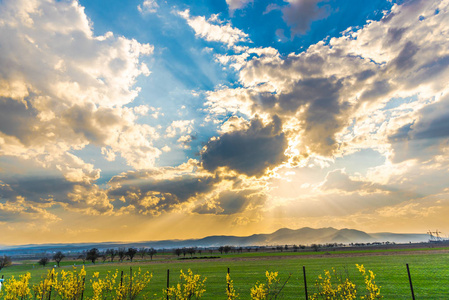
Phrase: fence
(306, 290)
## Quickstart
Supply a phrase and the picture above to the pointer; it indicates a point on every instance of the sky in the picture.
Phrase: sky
(148, 119)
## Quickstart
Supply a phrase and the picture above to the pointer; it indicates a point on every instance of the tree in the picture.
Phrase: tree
(131, 253)
(83, 256)
(58, 257)
(152, 252)
(191, 251)
(315, 247)
(112, 253)
(103, 256)
(121, 252)
(43, 261)
(142, 252)
(92, 255)
(178, 251)
(5, 261)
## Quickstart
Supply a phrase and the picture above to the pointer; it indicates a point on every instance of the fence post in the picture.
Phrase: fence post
(130, 281)
(84, 285)
(305, 281)
(168, 281)
(121, 280)
(49, 293)
(410, 281)
(228, 282)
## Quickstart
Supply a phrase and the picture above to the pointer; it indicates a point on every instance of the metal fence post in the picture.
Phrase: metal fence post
(305, 281)
(168, 281)
(410, 281)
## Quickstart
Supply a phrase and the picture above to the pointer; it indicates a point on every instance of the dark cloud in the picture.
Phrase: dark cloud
(251, 151)
(45, 192)
(299, 14)
(16, 119)
(424, 138)
(405, 59)
(394, 36)
(150, 194)
(377, 89)
(91, 123)
(36, 189)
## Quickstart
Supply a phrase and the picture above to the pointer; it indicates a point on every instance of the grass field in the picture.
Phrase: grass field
(429, 270)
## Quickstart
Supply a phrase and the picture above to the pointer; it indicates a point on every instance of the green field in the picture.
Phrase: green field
(429, 270)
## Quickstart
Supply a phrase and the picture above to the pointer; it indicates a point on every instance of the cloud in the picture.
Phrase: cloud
(159, 191)
(237, 4)
(299, 14)
(233, 202)
(148, 6)
(426, 136)
(338, 95)
(43, 193)
(63, 88)
(18, 210)
(251, 151)
(205, 29)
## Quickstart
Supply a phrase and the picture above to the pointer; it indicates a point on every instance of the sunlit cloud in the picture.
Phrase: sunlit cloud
(104, 127)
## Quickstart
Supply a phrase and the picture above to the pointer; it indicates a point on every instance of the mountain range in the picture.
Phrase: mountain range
(284, 236)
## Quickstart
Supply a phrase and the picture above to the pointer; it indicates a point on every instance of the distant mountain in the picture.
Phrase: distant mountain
(284, 236)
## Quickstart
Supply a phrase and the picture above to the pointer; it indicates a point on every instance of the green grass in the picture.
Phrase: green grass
(430, 272)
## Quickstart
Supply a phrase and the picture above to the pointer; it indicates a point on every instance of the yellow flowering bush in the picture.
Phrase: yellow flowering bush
(231, 294)
(191, 286)
(16, 289)
(269, 290)
(372, 290)
(335, 286)
(128, 287)
(42, 289)
(71, 284)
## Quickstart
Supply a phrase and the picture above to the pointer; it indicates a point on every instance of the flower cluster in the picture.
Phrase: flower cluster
(16, 289)
(71, 284)
(269, 290)
(191, 286)
(336, 286)
(372, 290)
(129, 286)
(231, 294)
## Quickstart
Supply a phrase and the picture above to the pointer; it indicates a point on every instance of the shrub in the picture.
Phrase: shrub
(190, 286)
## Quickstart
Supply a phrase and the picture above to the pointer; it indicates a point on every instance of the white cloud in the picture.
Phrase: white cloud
(63, 88)
(148, 6)
(335, 96)
(205, 29)
(237, 4)
(179, 127)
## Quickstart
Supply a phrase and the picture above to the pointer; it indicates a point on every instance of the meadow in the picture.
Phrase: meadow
(429, 270)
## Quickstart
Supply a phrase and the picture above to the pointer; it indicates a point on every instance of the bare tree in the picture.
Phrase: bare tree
(43, 261)
(152, 252)
(93, 254)
(191, 251)
(131, 253)
(112, 253)
(121, 252)
(142, 252)
(5, 261)
(178, 251)
(58, 257)
(83, 256)
(103, 256)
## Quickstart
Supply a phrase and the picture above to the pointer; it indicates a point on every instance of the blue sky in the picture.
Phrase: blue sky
(149, 119)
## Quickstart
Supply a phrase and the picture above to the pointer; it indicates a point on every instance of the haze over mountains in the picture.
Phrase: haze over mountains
(284, 236)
